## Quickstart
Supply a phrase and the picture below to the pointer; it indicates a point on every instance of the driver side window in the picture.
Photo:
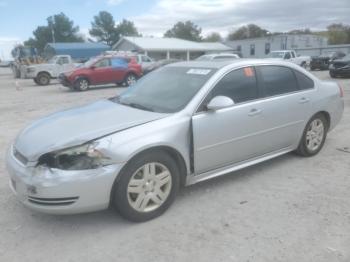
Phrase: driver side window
(240, 85)
(103, 63)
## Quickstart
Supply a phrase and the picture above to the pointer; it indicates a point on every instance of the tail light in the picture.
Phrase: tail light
(341, 90)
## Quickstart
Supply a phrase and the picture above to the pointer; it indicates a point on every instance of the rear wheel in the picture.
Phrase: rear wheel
(81, 84)
(314, 136)
(130, 79)
(36, 81)
(332, 74)
(304, 65)
(147, 187)
(43, 79)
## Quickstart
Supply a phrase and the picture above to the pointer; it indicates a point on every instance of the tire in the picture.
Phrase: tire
(43, 79)
(81, 84)
(129, 79)
(35, 81)
(316, 130)
(138, 199)
(303, 65)
(332, 74)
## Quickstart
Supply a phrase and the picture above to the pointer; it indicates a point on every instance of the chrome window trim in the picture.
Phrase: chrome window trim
(196, 112)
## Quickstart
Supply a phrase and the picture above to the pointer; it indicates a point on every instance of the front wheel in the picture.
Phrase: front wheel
(81, 84)
(314, 136)
(147, 187)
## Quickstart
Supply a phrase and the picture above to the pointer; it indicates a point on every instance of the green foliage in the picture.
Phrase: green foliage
(248, 31)
(59, 28)
(338, 34)
(127, 28)
(305, 31)
(213, 37)
(185, 30)
(103, 28)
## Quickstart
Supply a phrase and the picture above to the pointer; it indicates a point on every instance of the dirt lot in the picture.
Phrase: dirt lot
(287, 209)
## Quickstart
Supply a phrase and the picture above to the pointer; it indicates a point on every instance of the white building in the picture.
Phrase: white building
(166, 48)
(261, 47)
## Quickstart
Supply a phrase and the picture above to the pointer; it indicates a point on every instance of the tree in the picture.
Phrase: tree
(126, 28)
(103, 28)
(213, 37)
(185, 30)
(305, 31)
(58, 29)
(338, 34)
(248, 31)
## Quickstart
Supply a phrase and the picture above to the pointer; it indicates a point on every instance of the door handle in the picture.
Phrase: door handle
(304, 100)
(254, 112)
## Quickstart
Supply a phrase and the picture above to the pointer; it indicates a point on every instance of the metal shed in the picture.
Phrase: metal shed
(78, 51)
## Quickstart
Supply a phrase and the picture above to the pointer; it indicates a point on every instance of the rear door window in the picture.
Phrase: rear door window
(304, 81)
(277, 80)
(119, 62)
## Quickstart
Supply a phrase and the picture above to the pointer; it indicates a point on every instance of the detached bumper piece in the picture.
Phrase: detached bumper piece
(65, 201)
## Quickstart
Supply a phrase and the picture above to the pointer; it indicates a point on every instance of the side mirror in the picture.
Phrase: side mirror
(220, 102)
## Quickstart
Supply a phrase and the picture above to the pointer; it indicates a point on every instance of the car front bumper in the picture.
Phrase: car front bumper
(57, 191)
(63, 79)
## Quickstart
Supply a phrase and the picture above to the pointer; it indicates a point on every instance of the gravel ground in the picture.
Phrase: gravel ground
(286, 209)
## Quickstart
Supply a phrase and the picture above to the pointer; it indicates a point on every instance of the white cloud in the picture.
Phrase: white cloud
(114, 2)
(225, 15)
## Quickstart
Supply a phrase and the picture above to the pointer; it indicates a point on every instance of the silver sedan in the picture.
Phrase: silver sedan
(184, 123)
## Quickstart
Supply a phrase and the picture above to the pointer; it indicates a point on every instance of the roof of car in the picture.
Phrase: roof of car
(217, 64)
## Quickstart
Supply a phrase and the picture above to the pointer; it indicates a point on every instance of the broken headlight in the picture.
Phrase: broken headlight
(76, 158)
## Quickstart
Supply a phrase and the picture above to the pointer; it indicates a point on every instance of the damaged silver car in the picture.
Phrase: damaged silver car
(181, 124)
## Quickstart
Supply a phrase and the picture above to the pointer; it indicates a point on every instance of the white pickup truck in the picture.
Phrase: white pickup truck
(43, 73)
(291, 56)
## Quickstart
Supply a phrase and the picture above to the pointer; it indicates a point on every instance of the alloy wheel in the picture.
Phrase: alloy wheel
(315, 134)
(149, 187)
(130, 80)
(83, 84)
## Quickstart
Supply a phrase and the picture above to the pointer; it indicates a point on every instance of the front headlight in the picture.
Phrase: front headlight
(76, 158)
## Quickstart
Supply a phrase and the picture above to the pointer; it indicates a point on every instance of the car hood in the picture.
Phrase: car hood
(79, 125)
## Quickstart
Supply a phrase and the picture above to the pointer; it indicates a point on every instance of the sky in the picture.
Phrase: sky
(19, 18)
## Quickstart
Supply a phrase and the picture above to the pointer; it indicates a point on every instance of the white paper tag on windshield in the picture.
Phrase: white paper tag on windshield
(196, 71)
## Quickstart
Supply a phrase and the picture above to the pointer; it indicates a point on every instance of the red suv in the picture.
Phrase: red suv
(102, 70)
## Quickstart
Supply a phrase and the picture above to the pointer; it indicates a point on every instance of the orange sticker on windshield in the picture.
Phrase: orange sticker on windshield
(248, 71)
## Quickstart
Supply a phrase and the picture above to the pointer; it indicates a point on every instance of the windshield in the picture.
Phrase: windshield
(166, 90)
(347, 57)
(277, 54)
(91, 61)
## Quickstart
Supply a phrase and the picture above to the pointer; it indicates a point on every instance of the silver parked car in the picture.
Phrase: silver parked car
(181, 124)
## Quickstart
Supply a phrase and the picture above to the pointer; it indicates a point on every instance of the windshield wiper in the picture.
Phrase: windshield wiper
(138, 106)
